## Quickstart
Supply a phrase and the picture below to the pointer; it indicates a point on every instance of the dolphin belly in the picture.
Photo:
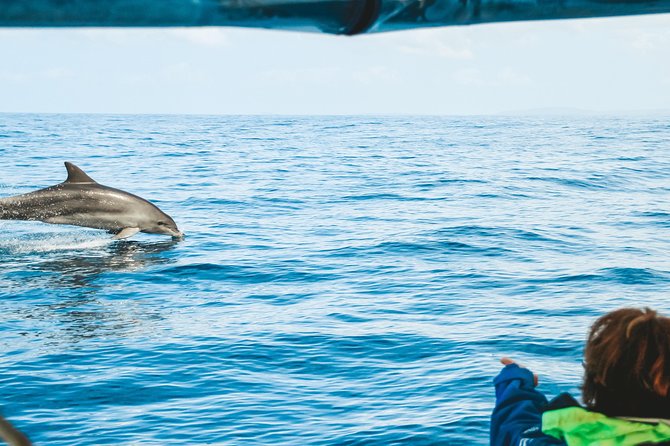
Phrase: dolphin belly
(109, 222)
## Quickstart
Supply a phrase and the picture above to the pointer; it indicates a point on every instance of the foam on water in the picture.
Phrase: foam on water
(345, 280)
(42, 243)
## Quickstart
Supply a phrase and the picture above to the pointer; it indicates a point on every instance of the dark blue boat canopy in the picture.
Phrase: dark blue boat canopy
(329, 16)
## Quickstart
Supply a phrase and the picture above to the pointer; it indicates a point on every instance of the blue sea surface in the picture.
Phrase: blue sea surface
(347, 280)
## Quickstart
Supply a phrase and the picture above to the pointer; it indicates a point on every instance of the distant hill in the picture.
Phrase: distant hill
(568, 111)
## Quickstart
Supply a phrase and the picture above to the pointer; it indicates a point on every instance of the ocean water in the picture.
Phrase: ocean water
(343, 280)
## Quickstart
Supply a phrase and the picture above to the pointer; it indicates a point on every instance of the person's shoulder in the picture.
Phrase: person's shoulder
(561, 401)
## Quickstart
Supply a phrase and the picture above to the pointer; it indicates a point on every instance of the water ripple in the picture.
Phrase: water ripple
(344, 280)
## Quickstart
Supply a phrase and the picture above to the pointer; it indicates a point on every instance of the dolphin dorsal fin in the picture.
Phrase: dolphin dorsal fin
(76, 175)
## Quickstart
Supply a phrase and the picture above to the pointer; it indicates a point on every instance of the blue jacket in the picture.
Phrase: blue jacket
(517, 416)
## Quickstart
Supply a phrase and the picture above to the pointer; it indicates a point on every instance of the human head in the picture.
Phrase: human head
(627, 364)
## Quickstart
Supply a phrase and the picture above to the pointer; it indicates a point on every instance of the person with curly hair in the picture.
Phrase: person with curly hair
(625, 390)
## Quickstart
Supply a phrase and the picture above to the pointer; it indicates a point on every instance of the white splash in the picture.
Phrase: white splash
(37, 242)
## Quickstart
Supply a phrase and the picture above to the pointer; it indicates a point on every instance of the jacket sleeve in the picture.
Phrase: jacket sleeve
(517, 416)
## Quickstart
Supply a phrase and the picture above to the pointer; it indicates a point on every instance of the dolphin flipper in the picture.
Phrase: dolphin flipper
(125, 233)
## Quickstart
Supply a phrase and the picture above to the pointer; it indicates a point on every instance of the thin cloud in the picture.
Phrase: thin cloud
(375, 75)
(646, 39)
(57, 73)
(210, 37)
(434, 43)
(12, 76)
(313, 76)
(505, 77)
(25, 77)
(183, 72)
(641, 33)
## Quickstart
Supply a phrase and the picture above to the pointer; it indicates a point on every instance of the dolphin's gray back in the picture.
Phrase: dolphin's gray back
(88, 204)
(38, 205)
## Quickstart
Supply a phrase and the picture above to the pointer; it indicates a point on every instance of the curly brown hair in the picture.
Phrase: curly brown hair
(627, 364)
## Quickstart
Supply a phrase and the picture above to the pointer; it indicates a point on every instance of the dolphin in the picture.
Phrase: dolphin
(81, 201)
(11, 435)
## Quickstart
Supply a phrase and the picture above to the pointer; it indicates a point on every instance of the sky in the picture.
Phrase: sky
(608, 65)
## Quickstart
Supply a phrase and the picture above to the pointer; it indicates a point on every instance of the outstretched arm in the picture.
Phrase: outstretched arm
(517, 416)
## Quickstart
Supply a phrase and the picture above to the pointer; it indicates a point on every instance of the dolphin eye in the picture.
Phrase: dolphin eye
(162, 223)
